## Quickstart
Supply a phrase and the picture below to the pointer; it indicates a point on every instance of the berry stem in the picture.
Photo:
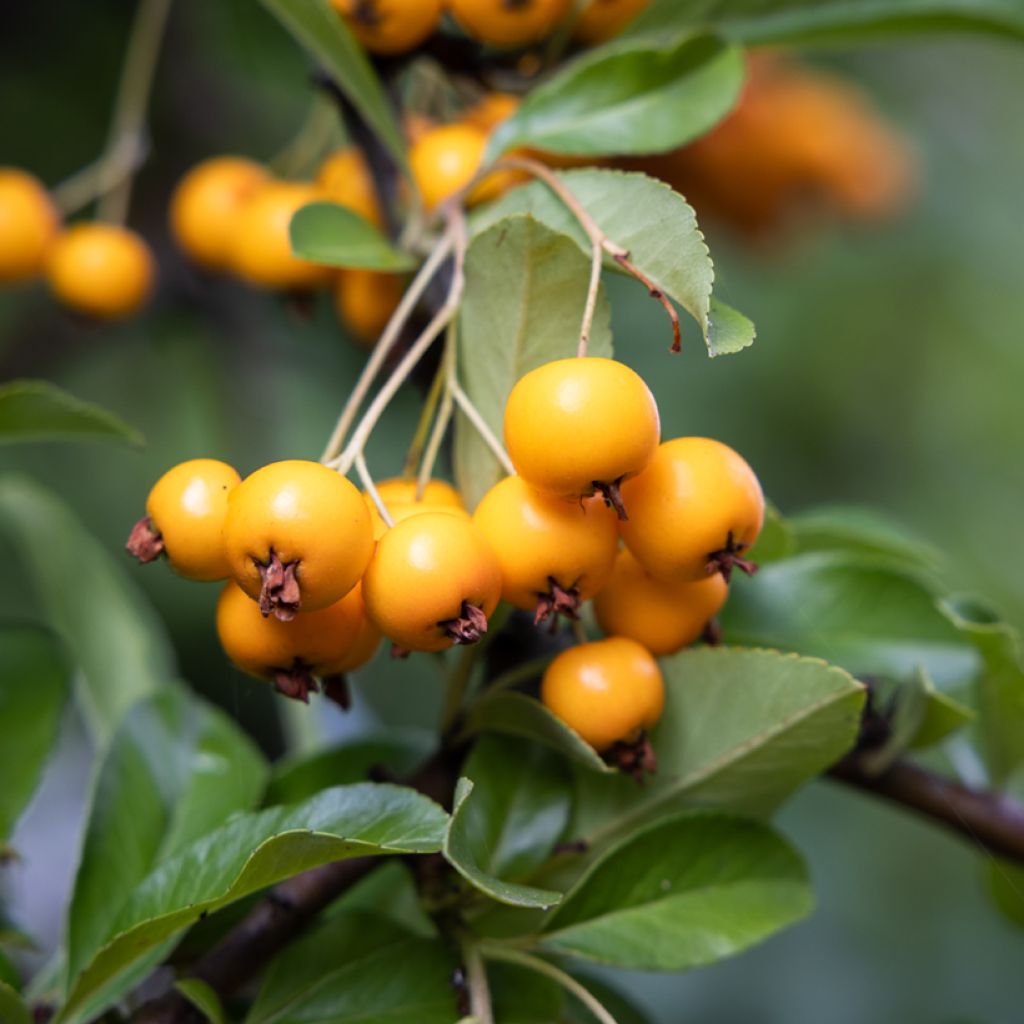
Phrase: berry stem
(128, 121)
(371, 489)
(444, 415)
(305, 147)
(596, 257)
(492, 951)
(419, 439)
(100, 176)
(473, 414)
(476, 979)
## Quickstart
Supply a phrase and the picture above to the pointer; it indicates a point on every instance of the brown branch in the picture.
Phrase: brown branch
(990, 820)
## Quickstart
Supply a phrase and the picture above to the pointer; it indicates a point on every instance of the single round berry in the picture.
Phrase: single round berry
(693, 511)
(608, 691)
(490, 110)
(504, 24)
(294, 654)
(402, 490)
(600, 20)
(29, 223)
(576, 426)
(553, 553)
(445, 159)
(261, 248)
(433, 582)
(365, 300)
(101, 270)
(345, 178)
(662, 616)
(185, 514)
(206, 204)
(402, 510)
(297, 537)
(390, 27)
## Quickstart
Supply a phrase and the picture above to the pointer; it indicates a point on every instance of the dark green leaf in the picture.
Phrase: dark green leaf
(776, 541)
(520, 808)
(33, 688)
(684, 892)
(460, 852)
(389, 891)
(789, 21)
(320, 30)
(175, 770)
(8, 975)
(12, 1007)
(358, 967)
(656, 225)
(741, 730)
(253, 851)
(1000, 685)
(869, 615)
(35, 410)
(331, 234)
(203, 998)
(526, 287)
(1005, 882)
(112, 634)
(647, 96)
(302, 777)
(514, 714)
(521, 996)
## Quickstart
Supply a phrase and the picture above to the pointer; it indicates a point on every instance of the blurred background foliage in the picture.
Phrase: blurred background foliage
(887, 372)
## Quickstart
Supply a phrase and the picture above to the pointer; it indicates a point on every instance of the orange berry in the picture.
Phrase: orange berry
(206, 204)
(445, 159)
(693, 511)
(29, 223)
(607, 691)
(400, 511)
(503, 24)
(433, 582)
(553, 553)
(600, 20)
(390, 26)
(402, 489)
(490, 110)
(662, 616)
(101, 270)
(297, 536)
(365, 300)
(344, 178)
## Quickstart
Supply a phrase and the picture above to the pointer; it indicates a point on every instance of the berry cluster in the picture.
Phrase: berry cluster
(318, 573)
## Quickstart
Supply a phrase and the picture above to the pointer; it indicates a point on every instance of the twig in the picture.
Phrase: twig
(596, 258)
(420, 437)
(133, 98)
(446, 374)
(93, 180)
(472, 413)
(476, 977)
(371, 489)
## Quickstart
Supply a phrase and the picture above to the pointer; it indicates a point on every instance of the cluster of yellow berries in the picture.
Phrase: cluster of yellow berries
(316, 576)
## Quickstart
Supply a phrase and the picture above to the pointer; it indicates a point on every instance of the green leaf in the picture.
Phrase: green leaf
(358, 967)
(776, 540)
(302, 777)
(521, 806)
(521, 996)
(461, 849)
(112, 633)
(331, 234)
(203, 998)
(35, 410)
(8, 975)
(646, 96)
(33, 688)
(1000, 685)
(741, 730)
(389, 891)
(12, 1007)
(685, 892)
(869, 615)
(656, 225)
(175, 770)
(320, 30)
(790, 21)
(253, 851)
(515, 714)
(1005, 883)
(526, 287)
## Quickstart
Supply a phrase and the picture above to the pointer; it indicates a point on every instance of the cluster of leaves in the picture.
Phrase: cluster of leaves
(550, 855)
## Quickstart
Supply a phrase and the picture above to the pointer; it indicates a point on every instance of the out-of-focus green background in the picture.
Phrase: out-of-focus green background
(888, 371)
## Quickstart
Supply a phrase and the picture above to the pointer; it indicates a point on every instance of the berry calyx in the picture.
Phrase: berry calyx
(29, 224)
(574, 427)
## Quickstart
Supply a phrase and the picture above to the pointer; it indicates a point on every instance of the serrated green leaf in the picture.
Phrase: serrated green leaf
(12, 1007)
(320, 30)
(644, 97)
(203, 998)
(33, 689)
(301, 777)
(460, 850)
(526, 287)
(253, 851)
(682, 893)
(870, 615)
(1000, 684)
(35, 410)
(741, 730)
(333, 235)
(790, 21)
(515, 714)
(111, 632)
(656, 225)
(175, 770)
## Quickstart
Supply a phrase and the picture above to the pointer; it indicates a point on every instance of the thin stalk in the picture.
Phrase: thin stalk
(419, 439)
(93, 180)
(309, 142)
(596, 259)
(446, 372)
(567, 981)
(133, 98)
(476, 979)
(387, 341)
(416, 351)
(371, 489)
(458, 684)
(463, 401)
(520, 674)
